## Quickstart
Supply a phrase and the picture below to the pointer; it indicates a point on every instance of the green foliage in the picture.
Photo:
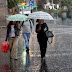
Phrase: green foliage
(64, 11)
(66, 3)
(12, 3)
(57, 11)
(20, 1)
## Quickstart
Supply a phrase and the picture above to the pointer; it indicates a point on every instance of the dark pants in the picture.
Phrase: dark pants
(43, 46)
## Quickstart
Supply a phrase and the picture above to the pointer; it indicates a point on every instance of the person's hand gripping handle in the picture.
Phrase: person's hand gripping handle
(39, 28)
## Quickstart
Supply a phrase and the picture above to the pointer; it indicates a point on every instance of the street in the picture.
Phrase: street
(58, 55)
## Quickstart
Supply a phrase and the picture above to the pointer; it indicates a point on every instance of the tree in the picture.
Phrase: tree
(67, 3)
(12, 4)
(40, 3)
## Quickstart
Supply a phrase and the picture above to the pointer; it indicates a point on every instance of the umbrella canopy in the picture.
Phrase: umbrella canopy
(17, 17)
(35, 6)
(40, 15)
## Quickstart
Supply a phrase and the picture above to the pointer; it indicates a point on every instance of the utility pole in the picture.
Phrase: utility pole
(52, 4)
(6, 10)
(23, 6)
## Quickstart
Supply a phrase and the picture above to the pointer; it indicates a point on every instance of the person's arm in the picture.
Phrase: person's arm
(21, 24)
(6, 35)
(46, 26)
(31, 26)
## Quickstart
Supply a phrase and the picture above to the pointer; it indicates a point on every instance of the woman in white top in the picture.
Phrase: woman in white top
(11, 35)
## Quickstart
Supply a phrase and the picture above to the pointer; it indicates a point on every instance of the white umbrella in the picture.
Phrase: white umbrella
(40, 15)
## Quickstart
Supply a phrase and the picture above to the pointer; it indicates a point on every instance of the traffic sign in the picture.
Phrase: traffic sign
(31, 3)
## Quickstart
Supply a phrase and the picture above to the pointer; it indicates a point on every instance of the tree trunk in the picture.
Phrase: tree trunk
(13, 10)
(41, 3)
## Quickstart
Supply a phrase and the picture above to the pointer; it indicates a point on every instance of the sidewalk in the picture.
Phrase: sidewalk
(25, 63)
(58, 55)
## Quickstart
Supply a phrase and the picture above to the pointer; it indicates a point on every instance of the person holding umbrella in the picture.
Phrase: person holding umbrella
(41, 27)
(12, 29)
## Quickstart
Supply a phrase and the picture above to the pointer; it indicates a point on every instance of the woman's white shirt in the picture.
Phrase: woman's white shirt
(12, 33)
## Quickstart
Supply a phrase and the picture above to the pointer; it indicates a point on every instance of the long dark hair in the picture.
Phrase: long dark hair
(10, 23)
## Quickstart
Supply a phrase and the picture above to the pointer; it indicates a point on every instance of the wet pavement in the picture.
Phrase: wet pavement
(58, 55)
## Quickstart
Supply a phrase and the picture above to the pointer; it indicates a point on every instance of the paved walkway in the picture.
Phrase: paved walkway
(58, 55)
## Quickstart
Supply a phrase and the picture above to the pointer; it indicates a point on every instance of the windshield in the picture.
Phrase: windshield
(27, 9)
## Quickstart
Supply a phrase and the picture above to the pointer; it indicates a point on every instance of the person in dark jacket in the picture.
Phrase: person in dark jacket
(41, 27)
(12, 29)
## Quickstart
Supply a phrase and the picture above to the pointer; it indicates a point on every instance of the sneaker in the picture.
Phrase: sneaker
(15, 58)
(27, 50)
(42, 59)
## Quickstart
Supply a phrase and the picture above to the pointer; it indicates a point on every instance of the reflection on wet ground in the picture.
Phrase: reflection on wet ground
(5, 68)
(20, 65)
(58, 55)
(43, 67)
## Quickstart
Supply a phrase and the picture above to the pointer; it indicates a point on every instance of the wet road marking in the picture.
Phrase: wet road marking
(58, 31)
(48, 55)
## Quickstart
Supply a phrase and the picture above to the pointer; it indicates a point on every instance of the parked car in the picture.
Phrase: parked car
(25, 11)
